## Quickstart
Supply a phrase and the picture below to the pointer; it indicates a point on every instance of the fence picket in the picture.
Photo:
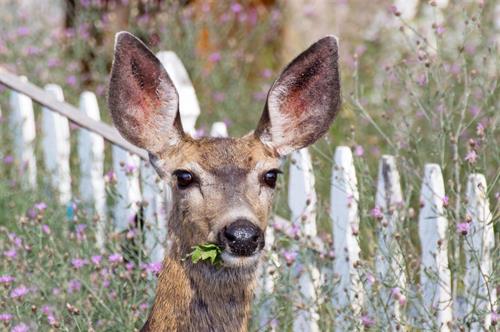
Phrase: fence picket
(219, 129)
(154, 196)
(91, 156)
(265, 286)
(435, 281)
(348, 291)
(479, 244)
(188, 102)
(302, 203)
(389, 259)
(56, 147)
(126, 168)
(22, 122)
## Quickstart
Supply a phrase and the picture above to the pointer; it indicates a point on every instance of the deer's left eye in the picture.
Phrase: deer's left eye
(270, 177)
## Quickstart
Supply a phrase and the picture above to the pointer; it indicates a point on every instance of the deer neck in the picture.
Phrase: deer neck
(199, 297)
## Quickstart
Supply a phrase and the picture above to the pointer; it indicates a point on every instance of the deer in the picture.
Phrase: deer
(222, 188)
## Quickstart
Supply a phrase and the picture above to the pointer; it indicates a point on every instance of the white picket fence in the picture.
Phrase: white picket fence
(138, 186)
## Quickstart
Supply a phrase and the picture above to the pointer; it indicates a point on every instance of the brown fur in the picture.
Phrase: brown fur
(201, 297)
(228, 175)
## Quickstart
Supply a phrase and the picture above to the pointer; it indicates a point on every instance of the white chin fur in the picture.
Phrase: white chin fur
(231, 260)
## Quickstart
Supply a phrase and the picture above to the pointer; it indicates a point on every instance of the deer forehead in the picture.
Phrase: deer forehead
(220, 156)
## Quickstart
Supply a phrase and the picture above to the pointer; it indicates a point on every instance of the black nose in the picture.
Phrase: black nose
(243, 237)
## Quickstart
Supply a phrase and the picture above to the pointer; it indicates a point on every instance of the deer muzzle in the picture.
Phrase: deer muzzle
(242, 238)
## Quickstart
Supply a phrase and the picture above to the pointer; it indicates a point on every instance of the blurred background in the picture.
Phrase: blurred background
(419, 81)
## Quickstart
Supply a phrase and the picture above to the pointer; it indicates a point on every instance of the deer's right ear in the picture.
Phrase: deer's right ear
(143, 100)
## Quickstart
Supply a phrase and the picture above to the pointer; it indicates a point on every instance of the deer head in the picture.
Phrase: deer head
(222, 187)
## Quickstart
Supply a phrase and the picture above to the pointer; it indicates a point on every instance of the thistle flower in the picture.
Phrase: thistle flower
(463, 228)
(115, 258)
(19, 292)
(6, 279)
(471, 157)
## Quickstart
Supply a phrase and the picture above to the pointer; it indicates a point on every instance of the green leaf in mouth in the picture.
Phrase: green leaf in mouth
(206, 252)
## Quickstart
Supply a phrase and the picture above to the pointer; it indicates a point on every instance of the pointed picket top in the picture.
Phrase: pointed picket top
(56, 147)
(126, 168)
(479, 243)
(302, 198)
(189, 107)
(389, 260)
(22, 124)
(348, 293)
(155, 214)
(91, 155)
(219, 129)
(435, 279)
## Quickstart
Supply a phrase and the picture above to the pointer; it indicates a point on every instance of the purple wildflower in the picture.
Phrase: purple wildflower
(376, 212)
(480, 129)
(115, 258)
(71, 80)
(129, 169)
(290, 256)
(367, 321)
(471, 157)
(16, 240)
(199, 132)
(80, 231)
(23, 31)
(154, 268)
(214, 57)
(267, 73)
(47, 309)
(293, 231)
(46, 229)
(5, 317)
(463, 228)
(41, 206)
(359, 151)
(440, 30)
(74, 286)
(11, 253)
(6, 279)
(236, 8)
(8, 159)
(78, 263)
(20, 328)
(422, 80)
(446, 201)
(474, 110)
(96, 260)
(53, 62)
(19, 292)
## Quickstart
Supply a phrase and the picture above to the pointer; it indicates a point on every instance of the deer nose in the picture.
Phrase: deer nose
(243, 237)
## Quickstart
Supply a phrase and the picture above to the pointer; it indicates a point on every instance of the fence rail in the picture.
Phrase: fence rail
(138, 187)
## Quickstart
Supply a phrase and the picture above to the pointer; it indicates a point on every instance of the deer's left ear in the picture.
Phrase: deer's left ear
(303, 101)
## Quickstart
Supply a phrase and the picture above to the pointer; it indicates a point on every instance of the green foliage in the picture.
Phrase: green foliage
(209, 252)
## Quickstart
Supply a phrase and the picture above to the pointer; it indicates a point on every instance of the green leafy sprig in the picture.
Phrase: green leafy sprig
(206, 252)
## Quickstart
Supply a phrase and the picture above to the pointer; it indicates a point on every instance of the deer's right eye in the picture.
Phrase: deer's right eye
(184, 178)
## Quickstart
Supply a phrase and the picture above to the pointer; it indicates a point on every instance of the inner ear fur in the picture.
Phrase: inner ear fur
(303, 101)
(143, 101)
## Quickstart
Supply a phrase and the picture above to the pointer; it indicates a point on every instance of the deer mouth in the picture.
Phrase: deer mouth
(242, 242)
(231, 260)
